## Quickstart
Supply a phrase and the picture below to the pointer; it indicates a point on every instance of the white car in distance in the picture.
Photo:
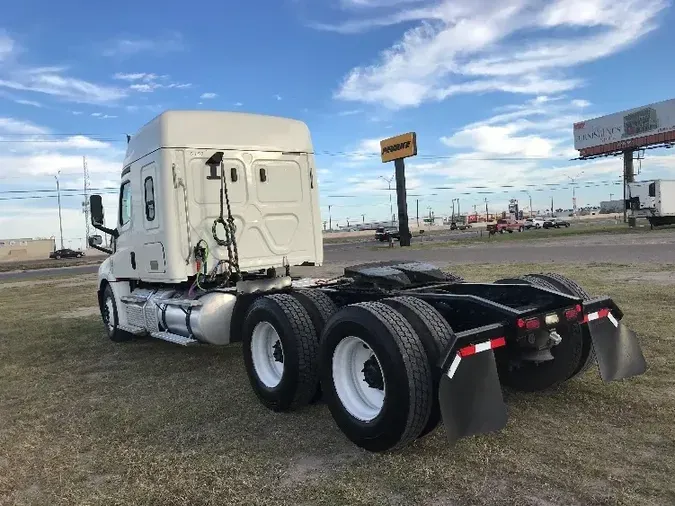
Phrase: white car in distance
(534, 223)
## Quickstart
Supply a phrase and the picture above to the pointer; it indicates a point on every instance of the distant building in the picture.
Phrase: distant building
(611, 206)
(25, 249)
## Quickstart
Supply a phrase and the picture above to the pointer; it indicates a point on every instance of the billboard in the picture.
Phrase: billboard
(634, 128)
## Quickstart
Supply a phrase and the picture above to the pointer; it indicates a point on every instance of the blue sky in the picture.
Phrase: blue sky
(478, 82)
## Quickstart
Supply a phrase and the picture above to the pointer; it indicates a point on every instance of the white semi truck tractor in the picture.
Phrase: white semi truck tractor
(216, 208)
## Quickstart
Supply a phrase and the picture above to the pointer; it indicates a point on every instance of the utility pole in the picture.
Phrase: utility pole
(58, 197)
(330, 220)
(417, 201)
(459, 213)
(551, 206)
(487, 214)
(85, 203)
(628, 177)
(391, 209)
(363, 218)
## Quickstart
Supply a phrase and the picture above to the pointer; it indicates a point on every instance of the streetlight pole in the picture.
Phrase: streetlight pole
(391, 209)
(58, 197)
(574, 194)
(530, 196)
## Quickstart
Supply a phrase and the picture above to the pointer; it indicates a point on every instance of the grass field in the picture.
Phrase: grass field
(27, 265)
(87, 421)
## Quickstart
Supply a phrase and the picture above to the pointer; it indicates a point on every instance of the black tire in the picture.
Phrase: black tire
(58, 257)
(571, 287)
(320, 308)
(404, 368)
(110, 318)
(435, 334)
(453, 278)
(297, 337)
(532, 377)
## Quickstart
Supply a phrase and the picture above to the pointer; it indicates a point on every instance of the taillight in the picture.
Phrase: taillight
(529, 324)
(573, 314)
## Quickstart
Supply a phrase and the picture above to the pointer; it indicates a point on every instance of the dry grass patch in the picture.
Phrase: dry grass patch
(87, 421)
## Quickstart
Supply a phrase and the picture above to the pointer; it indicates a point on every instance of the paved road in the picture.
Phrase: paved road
(653, 247)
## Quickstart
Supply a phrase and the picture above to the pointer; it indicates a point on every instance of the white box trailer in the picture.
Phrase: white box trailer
(215, 208)
(652, 200)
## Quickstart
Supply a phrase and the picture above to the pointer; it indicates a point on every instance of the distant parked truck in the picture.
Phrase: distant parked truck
(652, 200)
(505, 225)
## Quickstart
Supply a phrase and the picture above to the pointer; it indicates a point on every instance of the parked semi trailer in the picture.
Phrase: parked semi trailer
(214, 209)
(653, 200)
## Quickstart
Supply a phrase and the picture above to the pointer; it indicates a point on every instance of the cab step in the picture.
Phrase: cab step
(132, 329)
(174, 338)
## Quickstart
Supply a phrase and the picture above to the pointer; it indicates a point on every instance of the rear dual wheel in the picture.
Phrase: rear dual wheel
(379, 373)
(375, 376)
(280, 342)
(376, 362)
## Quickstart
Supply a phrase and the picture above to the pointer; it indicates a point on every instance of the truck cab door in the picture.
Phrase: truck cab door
(124, 261)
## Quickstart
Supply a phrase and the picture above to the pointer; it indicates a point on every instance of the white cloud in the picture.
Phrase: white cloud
(278, 97)
(138, 76)
(32, 103)
(144, 88)
(130, 46)
(14, 126)
(7, 46)
(470, 47)
(147, 82)
(53, 81)
(581, 103)
(208, 95)
(350, 112)
(500, 140)
(238, 104)
(31, 163)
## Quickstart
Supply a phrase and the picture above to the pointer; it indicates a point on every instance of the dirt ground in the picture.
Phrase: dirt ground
(87, 421)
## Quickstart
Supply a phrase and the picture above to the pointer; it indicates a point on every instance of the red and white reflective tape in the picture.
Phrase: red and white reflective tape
(472, 349)
(602, 313)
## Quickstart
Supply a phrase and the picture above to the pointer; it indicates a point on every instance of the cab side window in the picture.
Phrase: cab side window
(149, 198)
(125, 203)
(652, 189)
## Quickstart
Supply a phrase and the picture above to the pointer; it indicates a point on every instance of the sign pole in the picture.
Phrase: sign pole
(402, 202)
(628, 177)
(396, 149)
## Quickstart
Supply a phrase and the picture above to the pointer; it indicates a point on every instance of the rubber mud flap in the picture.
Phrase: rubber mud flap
(471, 401)
(617, 349)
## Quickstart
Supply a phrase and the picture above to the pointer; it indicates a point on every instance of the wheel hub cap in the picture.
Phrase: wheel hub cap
(358, 379)
(267, 354)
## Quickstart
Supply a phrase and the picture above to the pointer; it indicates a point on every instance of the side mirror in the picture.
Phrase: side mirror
(96, 207)
(95, 240)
